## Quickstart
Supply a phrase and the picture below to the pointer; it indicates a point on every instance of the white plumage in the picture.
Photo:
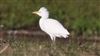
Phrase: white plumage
(51, 26)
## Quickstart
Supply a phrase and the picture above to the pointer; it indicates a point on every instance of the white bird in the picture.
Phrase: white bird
(51, 26)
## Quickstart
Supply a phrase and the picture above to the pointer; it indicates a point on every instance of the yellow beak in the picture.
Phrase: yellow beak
(36, 12)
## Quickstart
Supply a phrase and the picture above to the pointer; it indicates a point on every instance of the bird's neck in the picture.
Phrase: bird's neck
(44, 17)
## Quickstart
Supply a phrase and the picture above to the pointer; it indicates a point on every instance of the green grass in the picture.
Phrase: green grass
(42, 46)
(80, 16)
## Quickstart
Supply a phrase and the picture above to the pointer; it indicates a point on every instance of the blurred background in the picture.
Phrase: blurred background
(80, 17)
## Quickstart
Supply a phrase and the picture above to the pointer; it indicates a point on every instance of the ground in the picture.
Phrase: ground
(41, 45)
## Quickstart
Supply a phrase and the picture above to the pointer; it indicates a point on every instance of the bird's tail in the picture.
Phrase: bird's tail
(66, 35)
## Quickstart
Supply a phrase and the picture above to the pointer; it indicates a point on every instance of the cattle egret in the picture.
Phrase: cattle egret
(51, 26)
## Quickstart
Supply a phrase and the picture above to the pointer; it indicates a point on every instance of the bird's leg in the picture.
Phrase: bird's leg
(54, 43)
(53, 46)
(53, 40)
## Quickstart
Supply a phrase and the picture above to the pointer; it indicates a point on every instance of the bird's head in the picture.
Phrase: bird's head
(43, 12)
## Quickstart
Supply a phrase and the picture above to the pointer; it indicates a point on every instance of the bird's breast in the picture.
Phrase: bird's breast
(42, 24)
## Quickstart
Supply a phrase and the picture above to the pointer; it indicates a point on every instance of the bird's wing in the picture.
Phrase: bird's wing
(54, 26)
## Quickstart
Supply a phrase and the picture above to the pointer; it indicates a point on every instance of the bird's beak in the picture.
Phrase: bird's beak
(36, 12)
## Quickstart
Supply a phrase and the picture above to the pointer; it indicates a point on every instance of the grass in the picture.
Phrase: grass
(74, 14)
(41, 46)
